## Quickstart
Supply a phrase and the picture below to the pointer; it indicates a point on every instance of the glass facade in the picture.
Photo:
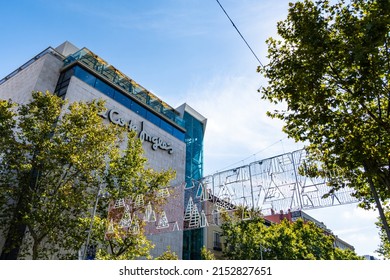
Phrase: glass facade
(193, 239)
(182, 124)
(117, 95)
(194, 150)
(107, 71)
(100, 75)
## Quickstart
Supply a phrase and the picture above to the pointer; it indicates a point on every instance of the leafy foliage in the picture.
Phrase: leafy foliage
(332, 70)
(54, 161)
(206, 254)
(168, 255)
(340, 254)
(253, 240)
(243, 240)
(127, 177)
(384, 247)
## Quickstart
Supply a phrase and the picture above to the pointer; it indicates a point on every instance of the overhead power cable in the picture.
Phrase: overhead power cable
(240, 33)
(243, 160)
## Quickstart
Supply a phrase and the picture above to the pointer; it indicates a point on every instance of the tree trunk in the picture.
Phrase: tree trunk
(13, 242)
(17, 228)
(374, 193)
(35, 250)
(16, 232)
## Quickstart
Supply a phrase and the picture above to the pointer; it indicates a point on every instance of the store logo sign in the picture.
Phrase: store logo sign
(157, 143)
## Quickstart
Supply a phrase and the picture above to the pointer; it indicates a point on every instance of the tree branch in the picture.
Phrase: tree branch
(341, 82)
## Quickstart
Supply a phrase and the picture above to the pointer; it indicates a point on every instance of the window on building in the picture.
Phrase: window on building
(217, 246)
(120, 97)
(138, 109)
(215, 215)
(104, 88)
(85, 76)
(153, 118)
(123, 99)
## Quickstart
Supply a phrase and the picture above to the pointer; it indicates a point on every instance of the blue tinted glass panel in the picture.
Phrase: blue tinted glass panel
(166, 126)
(68, 74)
(153, 118)
(178, 134)
(180, 121)
(126, 85)
(123, 99)
(138, 109)
(169, 114)
(84, 76)
(104, 88)
(62, 91)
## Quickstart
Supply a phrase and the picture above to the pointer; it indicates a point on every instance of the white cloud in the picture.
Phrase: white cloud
(361, 214)
(353, 225)
(237, 125)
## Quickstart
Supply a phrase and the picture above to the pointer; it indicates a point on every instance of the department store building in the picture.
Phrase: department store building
(172, 137)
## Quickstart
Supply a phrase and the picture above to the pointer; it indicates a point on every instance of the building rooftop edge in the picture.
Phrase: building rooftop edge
(187, 108)
(66, 48)
(50, 50)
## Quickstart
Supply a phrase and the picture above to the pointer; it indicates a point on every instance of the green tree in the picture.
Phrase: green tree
(253, 240)
(206, 254)
(243, 240)
(168, 255)
(384, 246)
(298, 241)
(128, 179)
(54, 159)
(46, 170)
(331, 68)
(340, 254)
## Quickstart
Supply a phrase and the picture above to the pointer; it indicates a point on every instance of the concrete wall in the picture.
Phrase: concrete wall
(158, 159)
(171, 236)
(41, 75)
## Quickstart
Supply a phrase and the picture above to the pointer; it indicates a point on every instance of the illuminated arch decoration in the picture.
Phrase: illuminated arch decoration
(268, 186)
(176, 227)
(163, 221)
(139, 201)
(189, 209)
(150, 214)
(195, 217)
(135, 227)
(110, 229)
(163, 193)
(126, 220)
(203, 220)
(119, 203)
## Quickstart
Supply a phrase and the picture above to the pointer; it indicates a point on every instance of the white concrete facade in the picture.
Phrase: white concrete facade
(157, 159)
(42, 73)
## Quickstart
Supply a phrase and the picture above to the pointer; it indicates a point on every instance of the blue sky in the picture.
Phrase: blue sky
(182, 51)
